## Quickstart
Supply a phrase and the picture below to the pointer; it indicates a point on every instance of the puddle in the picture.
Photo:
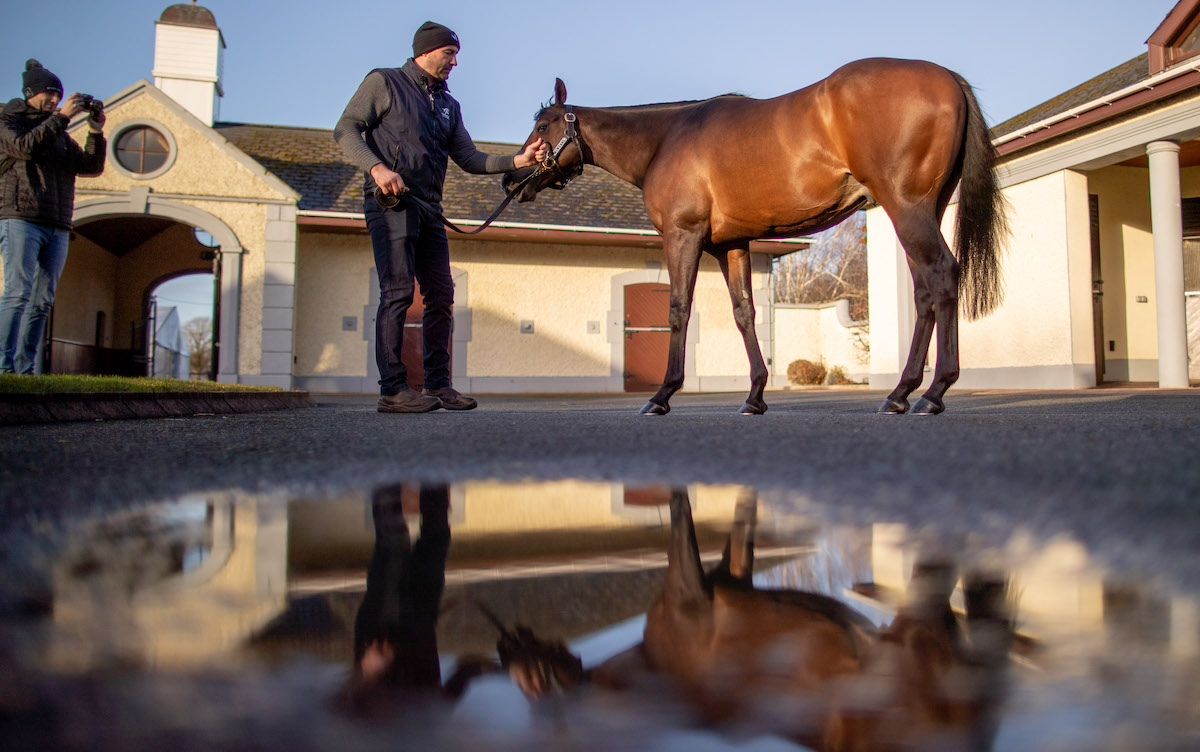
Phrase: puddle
(489, 615)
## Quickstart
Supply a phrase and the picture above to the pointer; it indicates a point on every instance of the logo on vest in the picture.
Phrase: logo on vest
(446, 114)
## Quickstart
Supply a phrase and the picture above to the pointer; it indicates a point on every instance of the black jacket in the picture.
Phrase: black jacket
(43, 160)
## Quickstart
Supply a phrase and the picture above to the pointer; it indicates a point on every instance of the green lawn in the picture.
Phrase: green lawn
(61, 383)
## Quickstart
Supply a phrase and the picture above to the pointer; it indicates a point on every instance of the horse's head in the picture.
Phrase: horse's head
(556, 124)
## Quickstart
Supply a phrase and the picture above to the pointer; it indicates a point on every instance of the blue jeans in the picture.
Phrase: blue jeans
(34, 255)
(411, 246)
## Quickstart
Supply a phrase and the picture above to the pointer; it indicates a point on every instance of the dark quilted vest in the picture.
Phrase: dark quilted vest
(413, 137)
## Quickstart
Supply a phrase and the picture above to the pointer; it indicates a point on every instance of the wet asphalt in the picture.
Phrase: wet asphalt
(1116, 469)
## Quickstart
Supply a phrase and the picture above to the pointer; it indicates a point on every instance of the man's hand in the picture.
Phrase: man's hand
(389, 182)
(96, 121)
(533, 153)
(71, 106)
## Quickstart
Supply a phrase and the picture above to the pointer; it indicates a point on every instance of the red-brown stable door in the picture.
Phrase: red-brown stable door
(412, 353)
(647, 335)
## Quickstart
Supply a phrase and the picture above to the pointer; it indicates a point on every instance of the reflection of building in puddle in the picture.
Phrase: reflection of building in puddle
(571, 557)
(537, 525)
(184, 583)
(230, 564)
(199, 604)
(1061, 595)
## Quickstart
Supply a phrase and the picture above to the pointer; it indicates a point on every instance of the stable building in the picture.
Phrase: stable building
(565, 294)
(1102, 271)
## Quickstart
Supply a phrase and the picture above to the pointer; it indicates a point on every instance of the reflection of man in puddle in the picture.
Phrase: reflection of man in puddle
(395, 640)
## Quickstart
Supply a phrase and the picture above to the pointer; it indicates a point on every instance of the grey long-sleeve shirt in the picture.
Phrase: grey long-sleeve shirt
(368, 106)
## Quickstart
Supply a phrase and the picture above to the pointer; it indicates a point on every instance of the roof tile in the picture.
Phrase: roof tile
(1115, 79)
(309, 161)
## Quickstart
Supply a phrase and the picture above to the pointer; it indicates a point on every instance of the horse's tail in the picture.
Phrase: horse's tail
(981, 226)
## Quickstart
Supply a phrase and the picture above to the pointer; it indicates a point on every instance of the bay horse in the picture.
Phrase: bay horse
(719, 173)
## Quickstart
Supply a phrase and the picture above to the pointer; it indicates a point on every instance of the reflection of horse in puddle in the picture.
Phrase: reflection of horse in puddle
(802, 664)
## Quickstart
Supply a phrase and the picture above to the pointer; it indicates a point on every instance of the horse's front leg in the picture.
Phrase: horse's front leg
(735, 266)
(682, 250)
(686, 585)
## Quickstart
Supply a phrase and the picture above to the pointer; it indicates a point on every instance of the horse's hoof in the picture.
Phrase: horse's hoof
(928, 406)
(653, 408)
(893, 406)
(756, 408)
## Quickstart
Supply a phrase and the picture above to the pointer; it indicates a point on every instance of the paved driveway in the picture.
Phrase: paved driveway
(1118, 469)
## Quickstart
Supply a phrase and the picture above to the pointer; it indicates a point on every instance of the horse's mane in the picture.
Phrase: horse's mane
(649, 108)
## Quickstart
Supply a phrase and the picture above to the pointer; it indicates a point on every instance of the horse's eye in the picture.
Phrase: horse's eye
(542, 128)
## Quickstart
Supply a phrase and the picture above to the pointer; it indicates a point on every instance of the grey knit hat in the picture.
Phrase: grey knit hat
(431, 36)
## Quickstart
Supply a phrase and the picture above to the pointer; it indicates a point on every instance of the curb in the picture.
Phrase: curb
(18, 409)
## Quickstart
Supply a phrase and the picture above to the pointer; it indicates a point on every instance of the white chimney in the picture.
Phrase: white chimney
(189, 56)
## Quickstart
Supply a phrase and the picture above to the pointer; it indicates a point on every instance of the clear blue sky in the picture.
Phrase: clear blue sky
(296, 62)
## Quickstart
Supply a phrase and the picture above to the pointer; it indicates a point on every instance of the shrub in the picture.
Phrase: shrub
(837, 375)
(805, 372)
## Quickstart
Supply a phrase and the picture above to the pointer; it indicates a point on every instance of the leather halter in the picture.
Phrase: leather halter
(550, 163)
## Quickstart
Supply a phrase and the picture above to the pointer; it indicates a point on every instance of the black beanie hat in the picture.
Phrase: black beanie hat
(37, 79)
(432, 36)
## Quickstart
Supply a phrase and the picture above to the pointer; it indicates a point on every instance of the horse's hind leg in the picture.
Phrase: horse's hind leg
(736, 267)
(682, 250)
(914, 369)
(737, 563)
(935, 293)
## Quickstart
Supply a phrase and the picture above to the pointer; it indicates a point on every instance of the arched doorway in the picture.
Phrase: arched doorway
(122, 246)
(103, 320)
(182, 310)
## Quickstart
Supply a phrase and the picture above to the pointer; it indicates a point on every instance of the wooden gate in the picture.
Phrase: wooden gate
(647, 335)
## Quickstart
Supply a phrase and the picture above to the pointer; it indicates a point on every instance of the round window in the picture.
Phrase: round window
(142, 149)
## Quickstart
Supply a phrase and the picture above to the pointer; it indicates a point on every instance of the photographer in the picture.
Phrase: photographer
(38, 164)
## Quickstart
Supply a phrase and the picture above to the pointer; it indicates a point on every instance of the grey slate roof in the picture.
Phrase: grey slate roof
(1125, 74)
(309, 161)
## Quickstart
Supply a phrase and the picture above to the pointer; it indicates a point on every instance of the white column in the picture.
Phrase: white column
(231, 301)
(1167, 223)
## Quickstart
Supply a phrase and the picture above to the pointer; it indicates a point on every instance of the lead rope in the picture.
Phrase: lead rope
(391, 200)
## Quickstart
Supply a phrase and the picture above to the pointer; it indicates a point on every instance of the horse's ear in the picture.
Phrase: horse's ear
(560, 91)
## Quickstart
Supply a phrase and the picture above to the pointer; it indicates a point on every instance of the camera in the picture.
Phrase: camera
(91, 104)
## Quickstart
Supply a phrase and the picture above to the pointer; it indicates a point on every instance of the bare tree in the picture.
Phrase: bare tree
(832, 268)
(197, 333)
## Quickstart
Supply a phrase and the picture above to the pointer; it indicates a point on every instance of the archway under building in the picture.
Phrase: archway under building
(181, 308)
(104, 315)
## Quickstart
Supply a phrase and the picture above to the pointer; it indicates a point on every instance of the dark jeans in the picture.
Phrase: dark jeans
(404, 587)
(411, 246)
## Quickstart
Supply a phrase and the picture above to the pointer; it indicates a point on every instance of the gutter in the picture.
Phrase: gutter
(1108, 100)
(538, 232)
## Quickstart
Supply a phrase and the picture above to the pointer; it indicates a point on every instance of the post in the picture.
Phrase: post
(1167, 223)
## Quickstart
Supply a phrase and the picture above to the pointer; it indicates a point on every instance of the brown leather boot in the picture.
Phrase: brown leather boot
(451, 399)
(408, 401)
